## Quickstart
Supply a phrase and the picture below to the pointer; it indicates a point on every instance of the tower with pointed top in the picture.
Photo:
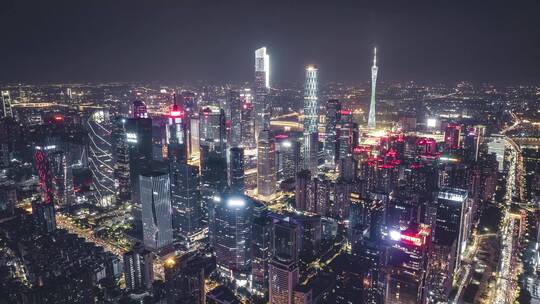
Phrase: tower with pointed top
(372, 123)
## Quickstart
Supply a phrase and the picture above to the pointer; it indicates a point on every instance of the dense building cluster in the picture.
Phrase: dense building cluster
(264, 194)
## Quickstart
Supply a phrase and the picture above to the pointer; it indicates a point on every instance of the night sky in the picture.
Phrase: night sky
(94, 40)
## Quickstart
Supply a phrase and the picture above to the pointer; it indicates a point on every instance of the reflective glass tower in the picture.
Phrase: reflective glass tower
(372, 123)
(262, 85)
(156, 209)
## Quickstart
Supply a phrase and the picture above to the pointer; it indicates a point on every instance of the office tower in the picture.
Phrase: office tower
(261, 88)
(178, 134)
(497, 144)
(138, 109)
(266, 164)
(44, 216)
(139, 141)
(212, 137)
(453, 220)
(333, 109)
(303, 185)
(372, 123)
(261, 254)
(342, 192)
(100, 156)
(187, 212)
(45, 175)
(5, 106)
(248, 125)
(236, 170)
(212, 145)
(310, 228)
(288, 156)
(283, 269)
(139, 269)
(121, 160)
(407, 265)
(156, 209)
(452, 136)
(473, 139)
(233, 216)
(184, 279)
(347, 135)
(235, 106)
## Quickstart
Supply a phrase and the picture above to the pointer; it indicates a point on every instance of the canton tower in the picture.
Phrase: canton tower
(371, 120)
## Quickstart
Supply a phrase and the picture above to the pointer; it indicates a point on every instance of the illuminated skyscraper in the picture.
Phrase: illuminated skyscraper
(235, 106)
(262, 85)
(233, 216)
(311, 100)
(100, 157)
(5, 105)
(236, 170)
(372, 123)
(333, 109)
(311, 120)
(156, 209)
(266, 164)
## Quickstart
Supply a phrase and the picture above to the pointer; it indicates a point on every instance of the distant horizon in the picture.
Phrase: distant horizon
(215, 41)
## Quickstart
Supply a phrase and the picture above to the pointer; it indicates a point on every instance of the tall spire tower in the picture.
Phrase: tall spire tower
(372, 123)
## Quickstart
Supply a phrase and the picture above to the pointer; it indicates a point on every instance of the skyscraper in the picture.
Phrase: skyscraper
(311, 100)
(372, 122)
(333, 109)
(156, 209)
(138, 269)
(235, 106)
(283, 269)
(288, 156)
(100, 156)
(266, 164)
(233, 216)
(262, 85)
(5, 105)
(311, 120)
(236, 170)
(121, 160)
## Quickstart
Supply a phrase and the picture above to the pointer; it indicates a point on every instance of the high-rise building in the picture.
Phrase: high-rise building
(283, 269)
(100, 156)
(311, 101)
(301, 195)
(186, 204)
(121, 160)
(184, 279)
(156, 209)
(288, 156)
(236, 170)
(233, 216)
(247, 124)
(333, 109)
(266, 164)
(453, 219)
(5, 105)
(311, 120)
(372, 122)
(139, 269)
(262, 85)
(178, 134)
(452, 136)
(261, 254)
(138, 109)
(235, 106)
(407, 265)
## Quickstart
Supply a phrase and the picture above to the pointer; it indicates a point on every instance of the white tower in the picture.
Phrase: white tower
(372, 123)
